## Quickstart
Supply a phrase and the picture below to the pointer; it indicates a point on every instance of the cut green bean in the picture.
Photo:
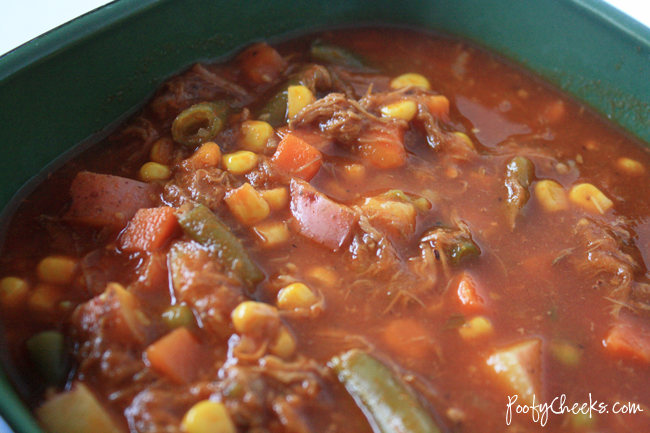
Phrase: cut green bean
(332, 54)
(200, 123)
(388, 404)
(203, 226)
(48, 354)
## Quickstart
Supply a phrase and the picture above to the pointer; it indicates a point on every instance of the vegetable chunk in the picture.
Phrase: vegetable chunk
(627, 339)
(296, 157)
(176, 355)
(519, 367)
(320, 218)
(149, 229)
(105, 200)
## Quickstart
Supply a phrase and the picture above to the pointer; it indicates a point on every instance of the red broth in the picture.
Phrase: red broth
(483, 239)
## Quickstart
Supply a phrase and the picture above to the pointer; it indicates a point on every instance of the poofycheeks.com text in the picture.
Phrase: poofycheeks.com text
(559, 406)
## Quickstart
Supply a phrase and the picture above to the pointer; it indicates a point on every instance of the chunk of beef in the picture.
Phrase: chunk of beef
(207, 186)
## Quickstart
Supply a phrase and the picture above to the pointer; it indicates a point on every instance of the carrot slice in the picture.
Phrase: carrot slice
(149, 229)
(261, 63)
(383, 147)
(628, 339)
(298, 158)
(178, 355)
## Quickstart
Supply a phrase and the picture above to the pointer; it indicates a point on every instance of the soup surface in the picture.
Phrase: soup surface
(361, 230)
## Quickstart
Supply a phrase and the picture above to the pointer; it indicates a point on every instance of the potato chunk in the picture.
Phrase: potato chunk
(519, 367)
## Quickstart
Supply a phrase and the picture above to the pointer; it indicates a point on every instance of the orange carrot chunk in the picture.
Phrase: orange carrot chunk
(383, 147)
(261, 63)
(149, 229)
(298, 158)
(628, 339)
(468, 293)
(178, 355)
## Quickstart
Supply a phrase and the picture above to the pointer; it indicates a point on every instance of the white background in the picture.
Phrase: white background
(23, 20)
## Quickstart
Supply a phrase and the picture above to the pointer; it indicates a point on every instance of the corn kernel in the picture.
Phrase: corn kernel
(240, 162)
(208, 155)
(255, 134)
(410, 80)
(208, 417)
(277, 198)
(13, 292)
(551, 195)
(402, 110)
(247, 205)
(296, 296)
(161, 151)
(57, 269)
(325, 276)
(272, 234)
(44, 299)
(284, 345)
(256, 319)
(152, 171)
(477, 327)
(630, 166)
(465, 138)
(565, 352)
(590, 198)
(298, 98)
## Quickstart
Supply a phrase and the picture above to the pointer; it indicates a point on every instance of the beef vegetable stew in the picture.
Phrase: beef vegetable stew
(371, 230)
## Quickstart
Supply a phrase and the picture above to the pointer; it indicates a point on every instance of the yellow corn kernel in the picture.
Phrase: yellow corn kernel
(208, 417)
(277, 198)
(255, 134)
(323, 275)
(208, 155)
(152, 171)
(551, 195)
(590, 198)
(13, 292)
(354, 172)
(256, 319)
(477, 327)
(247, 205)
(44, 299)
(401, 109)
(272, 233)
(298, 98)
(161, 151)
(296, 296)
(57, 269)
(465, 138)
(284, 345)
(240, 162)
(410, 80)
(630, 166)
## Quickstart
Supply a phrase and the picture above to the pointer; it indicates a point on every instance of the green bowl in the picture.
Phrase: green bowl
(73, 83)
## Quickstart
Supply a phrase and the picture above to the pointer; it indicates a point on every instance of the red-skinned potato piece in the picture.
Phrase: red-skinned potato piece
(320, 218)
(630, 339)
(149, 229)
(261, 63)
(106, 200)
(178, 355)
(383, 146)
(296, 157)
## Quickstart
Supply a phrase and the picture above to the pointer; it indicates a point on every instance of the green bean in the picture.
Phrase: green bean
(385, 400)
(47, 352)
(200, 123)
(520, 172)
(275, 111)
(462, 248)
(204, 227)
(335, 55)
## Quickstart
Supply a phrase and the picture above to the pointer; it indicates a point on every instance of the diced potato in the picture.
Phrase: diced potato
(208, 155)
(75, 411)
(255, 135)
(590, 198)
(298, 98)
(551, 196)
(13, 292)
(247, 205)
(296, 296)
(323, 275)
(277, 198)
(208, 417)
(57, 269)
(630, 166)
(272, 233)
(130, 321)
(402, 110)
(284, 345)
(519, 367)
(153, 171)
(256, 319)
(410, 79)
(475, 328)
(240, 162)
